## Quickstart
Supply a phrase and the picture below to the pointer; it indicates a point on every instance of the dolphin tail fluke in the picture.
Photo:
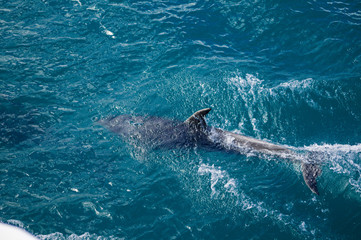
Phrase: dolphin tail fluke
(310, 172)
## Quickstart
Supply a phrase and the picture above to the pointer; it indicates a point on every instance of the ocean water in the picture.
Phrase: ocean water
(288, 72)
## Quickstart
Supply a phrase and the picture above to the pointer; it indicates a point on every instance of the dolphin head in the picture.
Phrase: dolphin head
(124, 125)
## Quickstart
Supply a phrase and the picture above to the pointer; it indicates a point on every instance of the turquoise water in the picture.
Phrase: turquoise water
(288, 72)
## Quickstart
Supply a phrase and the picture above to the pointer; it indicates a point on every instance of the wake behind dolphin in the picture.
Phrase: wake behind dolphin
(194, 132)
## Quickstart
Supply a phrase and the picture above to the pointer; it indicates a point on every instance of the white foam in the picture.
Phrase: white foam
(256, 96)
(249, 82)
(78, 1)
(93, 8)
(219, 179)
(343, 157)
(335, 148)
(249, 88)
(252, 88)
(302, 226)
(296, 84)
(107, 32)
(101, 212)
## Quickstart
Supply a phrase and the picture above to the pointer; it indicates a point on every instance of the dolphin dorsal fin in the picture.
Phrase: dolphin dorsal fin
(197, 119)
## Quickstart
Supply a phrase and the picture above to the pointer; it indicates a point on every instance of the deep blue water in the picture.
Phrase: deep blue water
(288, 72)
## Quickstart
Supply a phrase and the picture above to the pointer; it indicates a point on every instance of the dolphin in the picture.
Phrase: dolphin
(156, 132)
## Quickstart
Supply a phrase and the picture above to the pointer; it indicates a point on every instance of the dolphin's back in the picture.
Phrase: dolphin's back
(151, 131)
(241, 143)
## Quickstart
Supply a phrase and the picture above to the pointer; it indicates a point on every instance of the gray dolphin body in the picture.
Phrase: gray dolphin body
(164, 133)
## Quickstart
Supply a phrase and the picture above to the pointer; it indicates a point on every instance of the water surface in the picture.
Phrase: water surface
(283, 71)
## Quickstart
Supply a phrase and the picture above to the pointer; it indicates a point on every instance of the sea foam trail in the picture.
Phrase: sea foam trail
(335, 148)
(341, 159)
(221, 184)
(257, 99)
(311, 105)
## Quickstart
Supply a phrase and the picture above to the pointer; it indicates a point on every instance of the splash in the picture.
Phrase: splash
(335, 148)
(263, 105)
(342, 159)
(250, 89)
(219, 179)
(98, 211)
(107, 32)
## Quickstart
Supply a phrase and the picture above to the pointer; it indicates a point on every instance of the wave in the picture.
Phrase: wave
(222, 184)
(310, 91)
(256, 94)
(296, 112)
